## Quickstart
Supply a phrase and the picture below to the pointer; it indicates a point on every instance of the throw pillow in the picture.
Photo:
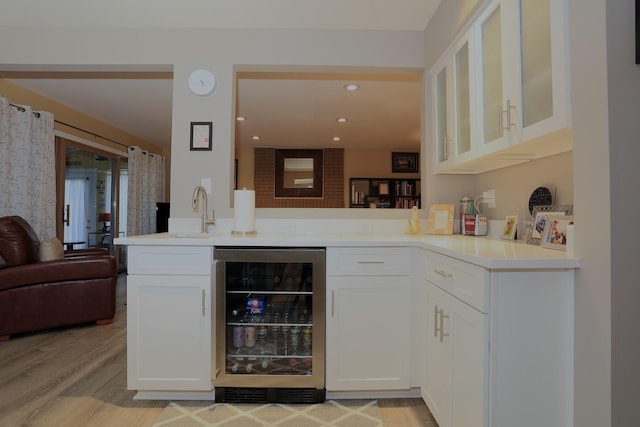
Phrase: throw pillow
(51, 249)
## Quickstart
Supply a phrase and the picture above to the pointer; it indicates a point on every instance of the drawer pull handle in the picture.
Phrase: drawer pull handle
(370, 262)
(444, 273)
(439, 313)
(203, 302)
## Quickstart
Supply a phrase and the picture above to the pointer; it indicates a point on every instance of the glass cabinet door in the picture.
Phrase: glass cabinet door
(462, 100)
(492, 81)
(441, 106)
(535, 51)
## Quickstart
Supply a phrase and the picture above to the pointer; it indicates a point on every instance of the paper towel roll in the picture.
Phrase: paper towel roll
(244, 212)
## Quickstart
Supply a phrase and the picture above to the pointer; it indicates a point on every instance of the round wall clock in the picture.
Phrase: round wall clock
(202, 82)
(541, 196)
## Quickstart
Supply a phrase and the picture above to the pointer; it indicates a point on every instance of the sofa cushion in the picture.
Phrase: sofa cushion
(16, 246)
(51, 249)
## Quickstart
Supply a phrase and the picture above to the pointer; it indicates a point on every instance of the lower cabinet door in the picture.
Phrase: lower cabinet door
(368, 333)
(437, 392)
(470, 365)
(457, 353)
(169, 332)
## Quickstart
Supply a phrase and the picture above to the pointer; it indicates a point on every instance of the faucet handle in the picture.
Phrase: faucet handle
(212, 220)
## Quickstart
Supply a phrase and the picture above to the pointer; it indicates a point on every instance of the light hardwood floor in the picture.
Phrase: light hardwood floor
(77, 377)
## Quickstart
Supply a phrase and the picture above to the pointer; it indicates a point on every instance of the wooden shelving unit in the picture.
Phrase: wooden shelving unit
(384, 193)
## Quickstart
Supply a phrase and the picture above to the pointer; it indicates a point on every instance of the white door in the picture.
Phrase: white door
(79, 206)
(169, 332)
(438, 373)
(368, 333)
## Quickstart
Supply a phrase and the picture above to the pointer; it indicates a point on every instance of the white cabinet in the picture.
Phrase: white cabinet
(498, 345)
(519, 88)
(169, 318)
(369, 331)
(453, 114)
(457, 348)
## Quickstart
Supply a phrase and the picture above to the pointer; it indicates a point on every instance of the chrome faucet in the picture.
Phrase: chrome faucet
(199, 190)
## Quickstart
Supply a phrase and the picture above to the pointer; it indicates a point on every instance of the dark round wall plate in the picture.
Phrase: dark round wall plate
(541, 196)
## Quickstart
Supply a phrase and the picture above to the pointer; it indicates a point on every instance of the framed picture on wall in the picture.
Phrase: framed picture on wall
(404, 162)
(201, 135)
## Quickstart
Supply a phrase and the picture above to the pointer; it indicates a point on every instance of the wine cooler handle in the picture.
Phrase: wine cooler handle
(333, 293)
(203, 303)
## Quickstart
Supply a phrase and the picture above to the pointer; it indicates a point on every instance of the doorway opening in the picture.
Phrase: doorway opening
(92, 197)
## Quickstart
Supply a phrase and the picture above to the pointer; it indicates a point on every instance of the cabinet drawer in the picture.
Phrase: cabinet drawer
(468, 282)
(369, 261)
(183, 260)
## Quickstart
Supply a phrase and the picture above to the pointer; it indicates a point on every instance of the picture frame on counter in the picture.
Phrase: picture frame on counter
(510, 224)
(201, 136)
(404, 162)
(540, 215)
(554, 235)
(441, 218)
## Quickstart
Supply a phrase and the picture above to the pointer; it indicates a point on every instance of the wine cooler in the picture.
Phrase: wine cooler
(270, 325)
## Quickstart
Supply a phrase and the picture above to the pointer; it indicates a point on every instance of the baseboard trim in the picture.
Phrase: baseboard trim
(175, 395)
(369, 394)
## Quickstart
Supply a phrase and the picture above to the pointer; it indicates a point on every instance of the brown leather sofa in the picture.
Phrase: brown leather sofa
(36, 295)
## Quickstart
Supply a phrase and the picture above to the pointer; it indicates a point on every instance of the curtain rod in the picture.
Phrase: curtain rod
(37, 115)
(91, 133)
(22, 110)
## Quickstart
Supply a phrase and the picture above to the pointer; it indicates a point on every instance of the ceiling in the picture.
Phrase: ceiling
(283, 109)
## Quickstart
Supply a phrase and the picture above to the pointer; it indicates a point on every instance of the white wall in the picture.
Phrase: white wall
(514, 184)
(624, 151)
(589, 105)
(223, 51)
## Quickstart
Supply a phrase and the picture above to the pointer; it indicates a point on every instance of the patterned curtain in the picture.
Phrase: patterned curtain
(146, 187)
(28, 167)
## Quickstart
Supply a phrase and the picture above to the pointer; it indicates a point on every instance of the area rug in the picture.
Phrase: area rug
(341, 413)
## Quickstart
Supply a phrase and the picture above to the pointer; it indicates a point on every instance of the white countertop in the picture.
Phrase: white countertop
(483, 251)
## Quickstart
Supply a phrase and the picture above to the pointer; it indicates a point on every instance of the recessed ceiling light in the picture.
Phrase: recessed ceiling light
(241, 118)
(351, 87)
(336, 138)
(255, 137)
(341, 119)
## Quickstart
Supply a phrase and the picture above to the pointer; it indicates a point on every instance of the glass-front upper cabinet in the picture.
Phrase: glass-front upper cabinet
(535, 61)
(523, 52)
(543, 80)
(452, 104)
(491, 30)
(462, 90)
(501, 90)
(441, 108)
